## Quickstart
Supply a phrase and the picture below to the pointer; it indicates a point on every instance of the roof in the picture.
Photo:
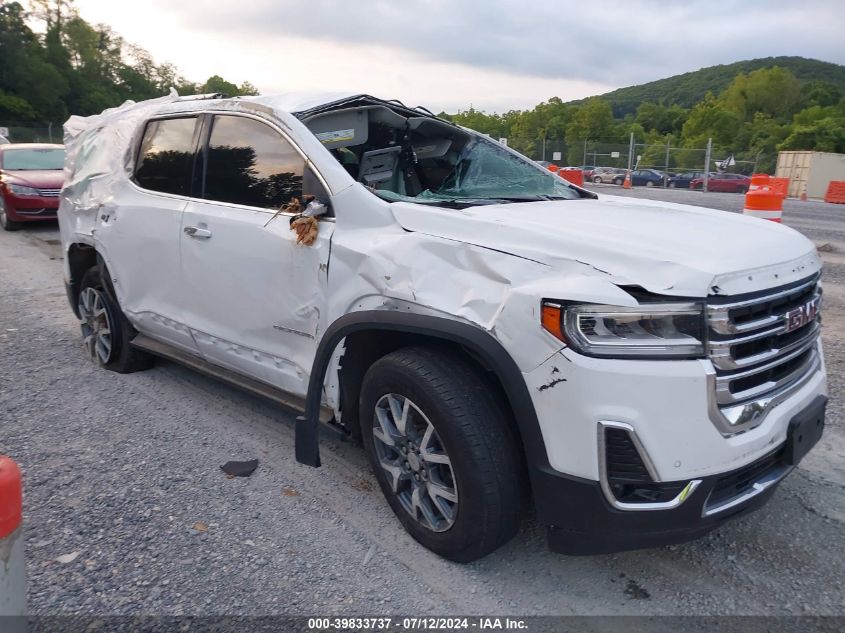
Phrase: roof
(300, 101)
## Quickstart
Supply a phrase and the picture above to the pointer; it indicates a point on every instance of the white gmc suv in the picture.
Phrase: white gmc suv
(639, 371)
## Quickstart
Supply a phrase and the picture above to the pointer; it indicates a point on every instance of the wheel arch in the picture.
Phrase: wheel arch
(80, 258)
(389, 330)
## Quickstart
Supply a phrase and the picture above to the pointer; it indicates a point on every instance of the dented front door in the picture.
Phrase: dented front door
(254, 298)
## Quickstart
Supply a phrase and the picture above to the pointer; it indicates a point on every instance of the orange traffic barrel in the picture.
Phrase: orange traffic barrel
(764, 203)
(12, 563)
(780, 186)
(759, 180)
(552, 167)
(835, 192)
(575, 176)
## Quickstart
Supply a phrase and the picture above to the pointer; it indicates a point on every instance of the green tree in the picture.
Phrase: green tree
(216, 83)
(663, 119)
(772, 91)
(76, 67)
(821, 93)
(763, 135)
(711, 118)
(593, 120)
(818, 128)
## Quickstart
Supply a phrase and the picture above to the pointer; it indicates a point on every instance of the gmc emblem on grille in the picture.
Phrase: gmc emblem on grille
(801, 315)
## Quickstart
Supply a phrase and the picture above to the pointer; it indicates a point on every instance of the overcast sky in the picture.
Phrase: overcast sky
(447, 54)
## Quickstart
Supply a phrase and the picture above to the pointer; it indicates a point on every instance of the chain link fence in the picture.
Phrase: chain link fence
(16, 132)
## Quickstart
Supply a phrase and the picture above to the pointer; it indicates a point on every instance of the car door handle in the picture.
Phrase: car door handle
(195, 231)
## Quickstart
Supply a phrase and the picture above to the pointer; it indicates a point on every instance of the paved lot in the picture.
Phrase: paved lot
(123, 472)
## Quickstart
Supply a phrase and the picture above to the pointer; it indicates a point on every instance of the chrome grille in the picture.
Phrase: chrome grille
(49, 193)
(763, 344)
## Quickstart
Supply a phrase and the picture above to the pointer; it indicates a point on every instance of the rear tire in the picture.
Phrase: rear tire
(597, 179)
(617, 181)
(672, 185)
(649, 183)
(105, 330)
(431, 425)
(741, 190)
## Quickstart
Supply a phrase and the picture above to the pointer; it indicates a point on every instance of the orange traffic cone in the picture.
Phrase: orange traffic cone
(627, 183)
(764, 203)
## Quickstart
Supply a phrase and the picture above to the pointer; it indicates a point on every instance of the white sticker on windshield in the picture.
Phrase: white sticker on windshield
(335, 136)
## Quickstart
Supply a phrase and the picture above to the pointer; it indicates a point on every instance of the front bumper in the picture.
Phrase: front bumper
(666, 408)
(31, 208)
(585, 522)
(597, 528)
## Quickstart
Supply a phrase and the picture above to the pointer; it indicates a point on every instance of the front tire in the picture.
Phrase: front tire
(5, 222)
(446, 457)
(649, 183)
(106, 332)
(597, 180)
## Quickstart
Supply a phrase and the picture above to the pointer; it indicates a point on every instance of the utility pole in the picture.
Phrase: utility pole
(584, 164)
(631, 152)
(707, 163)
(666, 171)
(544, 145)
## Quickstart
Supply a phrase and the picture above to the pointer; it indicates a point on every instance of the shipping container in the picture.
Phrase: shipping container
(810, 172)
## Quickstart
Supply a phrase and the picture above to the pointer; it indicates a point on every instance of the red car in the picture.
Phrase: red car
(31, 179)
(730, 183)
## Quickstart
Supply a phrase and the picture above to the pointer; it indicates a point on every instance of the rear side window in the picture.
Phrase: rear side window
(249, 163)
(166, 156)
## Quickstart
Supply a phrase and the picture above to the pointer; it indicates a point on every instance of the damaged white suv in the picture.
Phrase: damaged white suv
(640, 371)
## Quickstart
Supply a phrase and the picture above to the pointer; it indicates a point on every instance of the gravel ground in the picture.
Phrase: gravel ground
(127, 511)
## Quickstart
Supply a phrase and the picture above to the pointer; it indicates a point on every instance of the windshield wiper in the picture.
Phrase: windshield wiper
(532, 198)
(460, 203)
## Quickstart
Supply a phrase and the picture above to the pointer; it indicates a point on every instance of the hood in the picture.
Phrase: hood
(666, 248)
(42, 179)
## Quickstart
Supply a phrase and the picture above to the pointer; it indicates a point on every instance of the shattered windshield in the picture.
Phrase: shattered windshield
(484, 172)
(487, 170)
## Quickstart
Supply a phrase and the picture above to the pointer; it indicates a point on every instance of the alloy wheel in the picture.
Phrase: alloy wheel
(96, 324)
(419, 470)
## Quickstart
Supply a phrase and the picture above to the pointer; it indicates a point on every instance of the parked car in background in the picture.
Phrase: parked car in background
(727, 183)
(588, 171)
(606, 175)
(642, 178)
(682, 181)
(31, 177)
(543, 163)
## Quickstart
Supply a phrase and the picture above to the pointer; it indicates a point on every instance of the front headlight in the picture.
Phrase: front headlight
(657, 330)
(20, 190)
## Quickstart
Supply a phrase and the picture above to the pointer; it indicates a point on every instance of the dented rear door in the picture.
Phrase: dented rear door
(140, 230)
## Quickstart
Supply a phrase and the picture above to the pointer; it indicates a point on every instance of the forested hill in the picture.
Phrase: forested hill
(689, 88)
